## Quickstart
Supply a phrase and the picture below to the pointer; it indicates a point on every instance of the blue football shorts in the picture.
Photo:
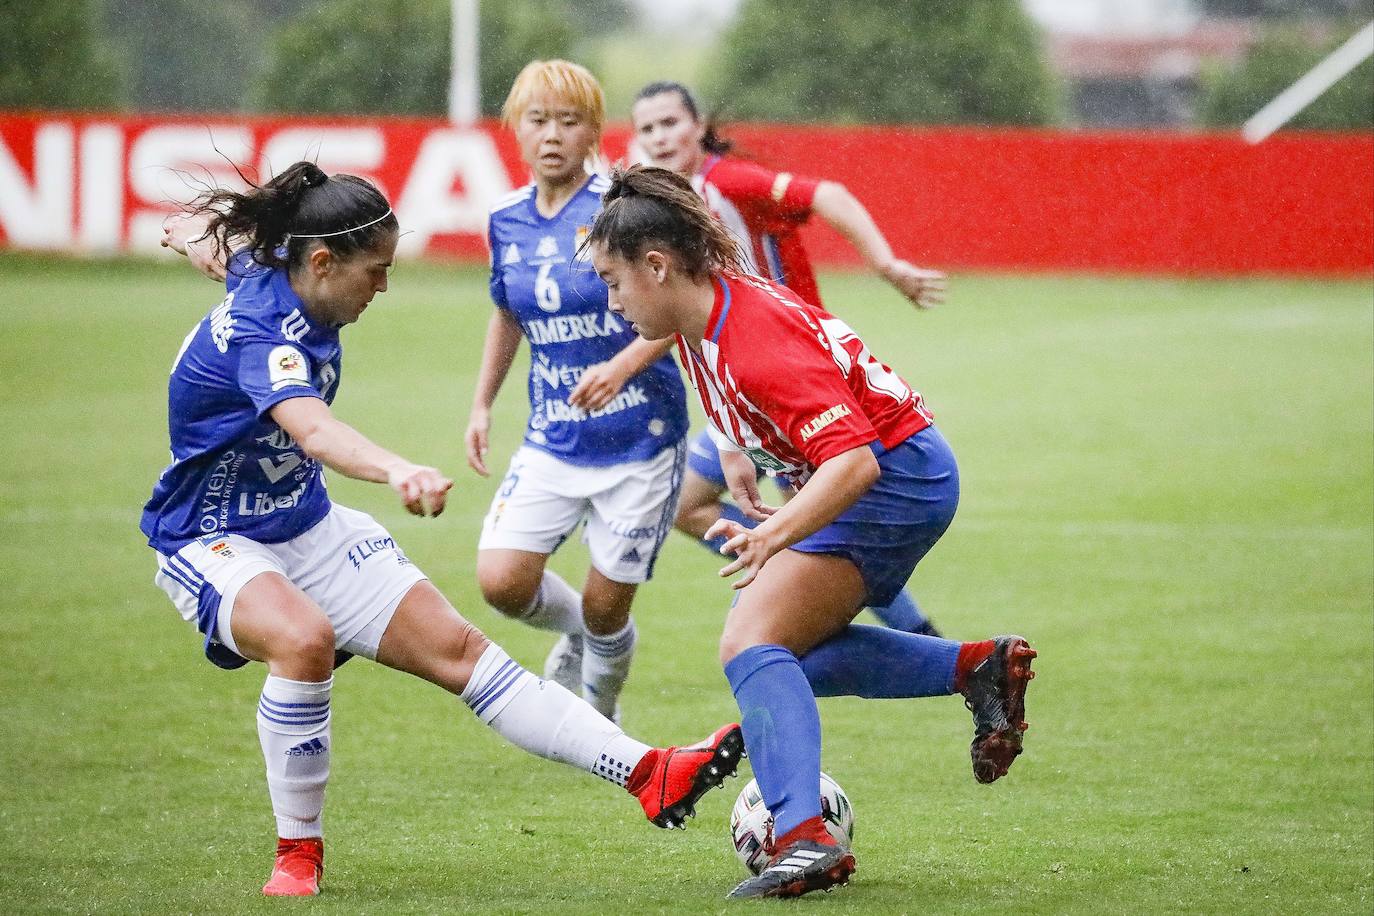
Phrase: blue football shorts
(892, 526)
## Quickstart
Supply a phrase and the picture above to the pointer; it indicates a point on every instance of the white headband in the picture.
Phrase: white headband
(325, 235)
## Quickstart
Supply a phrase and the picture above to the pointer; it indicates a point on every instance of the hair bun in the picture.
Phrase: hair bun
(312, 175)
(620, 185)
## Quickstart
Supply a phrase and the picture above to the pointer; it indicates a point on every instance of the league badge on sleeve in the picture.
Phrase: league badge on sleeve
(287, 366)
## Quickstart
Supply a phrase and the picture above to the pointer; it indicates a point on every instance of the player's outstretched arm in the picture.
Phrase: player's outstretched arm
(837, 484)
(842, 210)
(340, 447)
(600, 383)
(184, 233)
(498, 352)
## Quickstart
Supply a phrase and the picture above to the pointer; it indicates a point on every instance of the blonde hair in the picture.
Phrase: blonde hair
(562, 79)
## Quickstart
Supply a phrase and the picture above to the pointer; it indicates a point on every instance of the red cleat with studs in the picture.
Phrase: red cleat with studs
(669, 781)
(995, 692)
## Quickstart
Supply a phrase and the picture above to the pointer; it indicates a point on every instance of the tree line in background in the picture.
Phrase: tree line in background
(865, 61)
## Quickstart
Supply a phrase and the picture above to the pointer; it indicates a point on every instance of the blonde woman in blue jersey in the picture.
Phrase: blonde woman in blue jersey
(604, 443)
(250, 547)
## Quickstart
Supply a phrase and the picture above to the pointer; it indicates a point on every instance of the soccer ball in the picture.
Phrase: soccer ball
(751, 825)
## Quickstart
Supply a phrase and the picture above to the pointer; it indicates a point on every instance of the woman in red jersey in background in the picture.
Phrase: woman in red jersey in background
(793, 389)
(765, 210)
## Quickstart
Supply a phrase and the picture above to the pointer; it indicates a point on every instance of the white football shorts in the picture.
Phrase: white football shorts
(347, 564)
(628, 508)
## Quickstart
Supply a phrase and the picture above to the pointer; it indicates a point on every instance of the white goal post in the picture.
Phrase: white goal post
(463, 84)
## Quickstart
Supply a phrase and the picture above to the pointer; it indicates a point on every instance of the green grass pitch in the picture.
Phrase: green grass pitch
(1167, 488)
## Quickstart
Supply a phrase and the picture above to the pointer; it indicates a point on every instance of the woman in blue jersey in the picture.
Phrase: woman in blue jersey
(608, 414)
(250, 547)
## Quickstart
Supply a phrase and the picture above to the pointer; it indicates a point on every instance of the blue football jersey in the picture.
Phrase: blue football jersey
(560, 303)
(233, 470)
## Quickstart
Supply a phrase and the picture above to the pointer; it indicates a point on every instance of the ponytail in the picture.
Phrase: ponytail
(648, 207)
(286, 216)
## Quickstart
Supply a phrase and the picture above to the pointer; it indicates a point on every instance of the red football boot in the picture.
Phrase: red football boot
(300, 863)
(995, 692)
(668, 781)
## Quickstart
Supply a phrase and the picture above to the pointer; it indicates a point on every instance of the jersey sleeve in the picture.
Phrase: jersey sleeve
(272, 371)
(801, 389)
(240, 266)
(772, 198)
(495, 283)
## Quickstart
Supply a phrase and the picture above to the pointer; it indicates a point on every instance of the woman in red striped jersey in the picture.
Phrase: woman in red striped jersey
(791, 388)
(765, 209)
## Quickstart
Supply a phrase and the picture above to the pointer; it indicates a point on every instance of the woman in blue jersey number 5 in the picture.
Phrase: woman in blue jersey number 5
(608, 414)
(250, 547)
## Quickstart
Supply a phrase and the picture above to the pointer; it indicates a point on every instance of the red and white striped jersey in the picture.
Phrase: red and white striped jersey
(765, 210)
(791, 384)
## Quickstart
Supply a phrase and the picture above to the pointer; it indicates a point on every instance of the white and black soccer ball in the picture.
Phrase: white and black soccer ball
(751, 825)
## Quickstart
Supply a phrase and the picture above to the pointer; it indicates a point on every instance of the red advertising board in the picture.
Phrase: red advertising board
(952, 198)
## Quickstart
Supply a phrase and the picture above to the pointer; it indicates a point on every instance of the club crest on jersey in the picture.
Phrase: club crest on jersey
(512, 255)
(824, 419)
(223, 550)
(579, 240)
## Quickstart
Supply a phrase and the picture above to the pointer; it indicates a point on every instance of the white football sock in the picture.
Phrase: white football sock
(556, 606)
(293, 727)
(606, 665)
(545, 719)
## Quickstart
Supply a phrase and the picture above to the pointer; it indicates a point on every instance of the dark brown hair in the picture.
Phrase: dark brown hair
(648, 207)
(711, 140)
(285, 217)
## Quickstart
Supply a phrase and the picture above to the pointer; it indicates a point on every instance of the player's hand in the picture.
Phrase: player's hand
(925, 288)
(751, 547)
(598, 385)
(182, 233)
(742, 478)
(479, 425)
(423, 491)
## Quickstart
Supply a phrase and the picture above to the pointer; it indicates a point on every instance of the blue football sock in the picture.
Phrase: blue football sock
(878, 663)
(734, 514)
(902, 614)
(782, 732)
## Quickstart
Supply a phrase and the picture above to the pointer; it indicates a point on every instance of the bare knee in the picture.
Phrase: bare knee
(507, 592)
(453, 669)
(694, 520)
(733, 643)
(698, 505)
(303, 651)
